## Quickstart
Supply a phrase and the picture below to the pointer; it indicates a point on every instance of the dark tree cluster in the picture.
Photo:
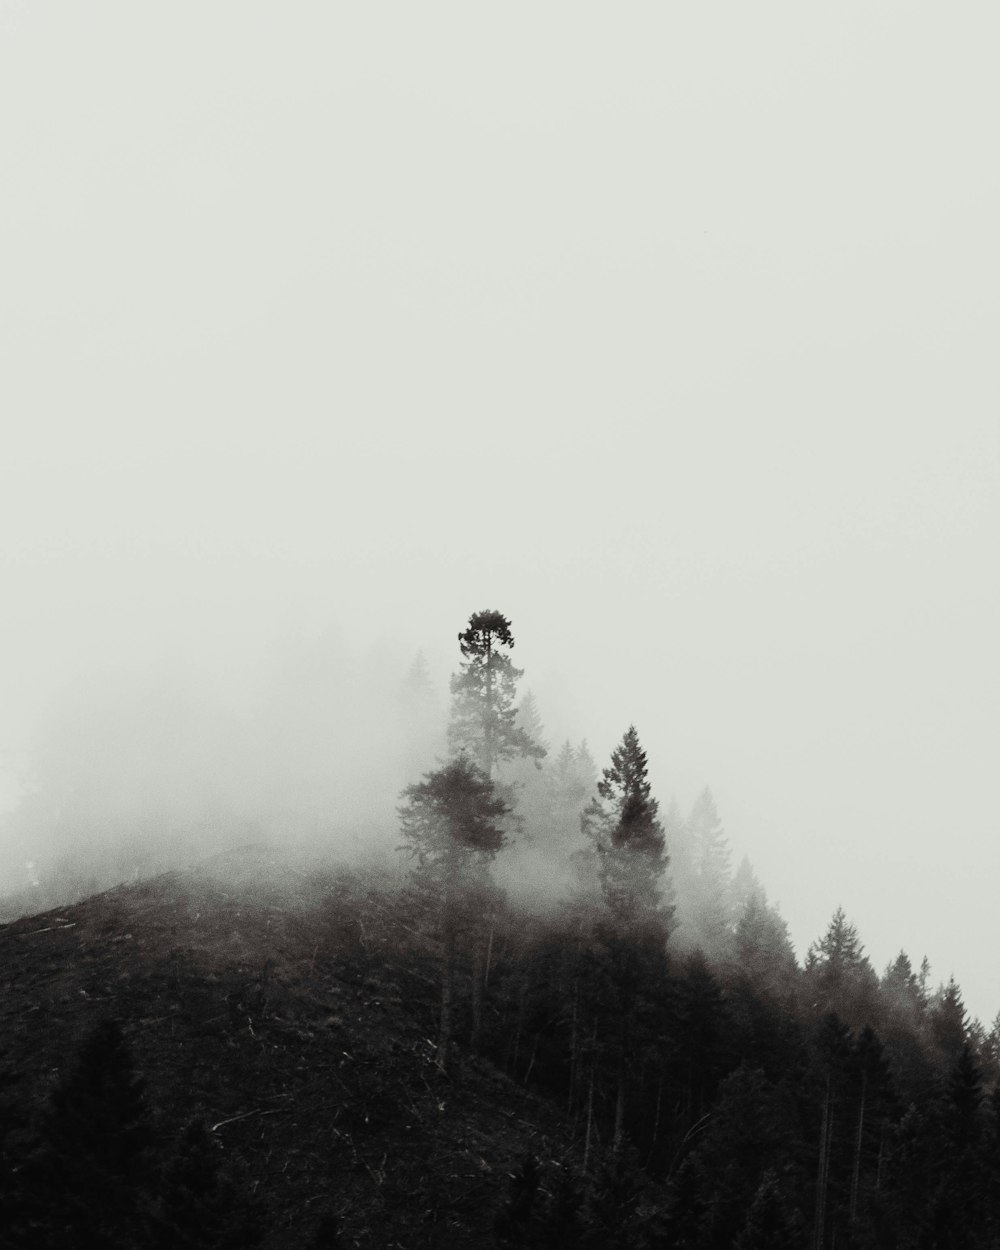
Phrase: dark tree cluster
(104, 1174)
(747, 1100)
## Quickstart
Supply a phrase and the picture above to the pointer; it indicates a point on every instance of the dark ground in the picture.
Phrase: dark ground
(289, 1008)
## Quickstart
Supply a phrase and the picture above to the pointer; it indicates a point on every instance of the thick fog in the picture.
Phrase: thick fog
(670, 335)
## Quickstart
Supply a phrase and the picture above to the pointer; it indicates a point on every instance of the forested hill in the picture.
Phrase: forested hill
(552, 1016)
(246, 1054)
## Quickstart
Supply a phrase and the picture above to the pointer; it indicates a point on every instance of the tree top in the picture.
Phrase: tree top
(485, 625)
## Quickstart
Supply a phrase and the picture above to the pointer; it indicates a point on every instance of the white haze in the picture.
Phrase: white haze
(669, 332)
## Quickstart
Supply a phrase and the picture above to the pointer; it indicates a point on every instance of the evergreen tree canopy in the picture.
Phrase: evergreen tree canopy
(451, 825)
(568, 781)
(623, 826)
(706, 910)
(451, 817)
(484, 720)
(93, 1176)
(745, 885)
(421, 722)
(840, 947)
(839, 976)
(711, 846)
(949, 1022)
(762, 950)
(528, 719)
(899, 978)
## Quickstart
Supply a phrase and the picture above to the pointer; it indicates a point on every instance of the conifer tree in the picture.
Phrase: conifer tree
(838, 975)
(770, 1225)
(839, 950)
(94, 1173)
(963, 1120)
(623, 827)
(421, 719)
(762, 951)
(569, 780)
(989, 1055)
(483, 712)
(924, 980)
(701, 1035)
(451, 824)
(623, 866)
(834, 1055)
(529, 721)
(949, 1022)
(875, 1102)
(526, 784)
(961, 1203)
(744, 885)
(707, 907)
(750, 1133)
(900, 980)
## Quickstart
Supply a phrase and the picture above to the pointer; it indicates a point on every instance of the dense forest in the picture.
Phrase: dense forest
(558, 940)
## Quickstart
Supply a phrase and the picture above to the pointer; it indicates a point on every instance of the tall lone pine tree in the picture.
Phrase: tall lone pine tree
(483, 711)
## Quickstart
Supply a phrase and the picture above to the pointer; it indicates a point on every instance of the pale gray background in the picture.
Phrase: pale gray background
(669, 330)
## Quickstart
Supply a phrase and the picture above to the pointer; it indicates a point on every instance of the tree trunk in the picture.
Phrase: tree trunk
(822, 1173)
(477, 990)
(531, 1061)
(623, 1052)
(856, 1175)
(590, 1098)
(573, 1051)
(488, 748)
(881, 1157)
(656, 1116)
(489, 952)
(447, 994)
(616, 1140)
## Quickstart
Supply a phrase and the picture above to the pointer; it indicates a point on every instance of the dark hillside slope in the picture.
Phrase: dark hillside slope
(288, 1010)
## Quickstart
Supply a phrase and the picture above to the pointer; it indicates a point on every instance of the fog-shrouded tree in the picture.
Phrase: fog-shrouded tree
(622, 826)
(900, 981)
(525, 783)
(744, 885)
(904, 1003)
(452, 826)
(762, 951)
(421, 719)
(949, 1022)
(622, 870)
(924, 980)
(484, 713)
(989, 1051)
(706, 906)
(838, 975)
(572, 779)
(528, 719)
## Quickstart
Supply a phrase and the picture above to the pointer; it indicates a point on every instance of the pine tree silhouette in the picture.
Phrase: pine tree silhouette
(92, 1177)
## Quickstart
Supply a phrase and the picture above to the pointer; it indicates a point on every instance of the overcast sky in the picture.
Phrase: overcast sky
(668, 330)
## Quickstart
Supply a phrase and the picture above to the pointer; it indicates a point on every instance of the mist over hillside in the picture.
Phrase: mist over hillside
(531, 1006)
(308, 744)
(131, 772)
